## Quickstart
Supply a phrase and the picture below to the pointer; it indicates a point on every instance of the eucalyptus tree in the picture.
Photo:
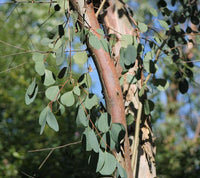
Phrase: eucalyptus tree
(128, 53)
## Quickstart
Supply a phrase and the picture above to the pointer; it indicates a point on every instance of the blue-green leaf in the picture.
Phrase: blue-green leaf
(110, 164)
(142, 26)
(85, 139)
(52, 93)
(60, 55)
(46, 116)
(121, 171)
(107, 142)
(68, 98)
(38, 57)
(153, 12)
(80, 58)
(95, 42)
(48, 78)
(39, 67)
(164, 24)
(51, 120)
(104, 123)
(91, 101)
(126, 40)
(101, 161)
(81, 118)
(77, 90)
(117, 132)
(31, 92)
(93, 141)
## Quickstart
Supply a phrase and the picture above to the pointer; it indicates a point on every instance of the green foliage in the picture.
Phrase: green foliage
(31, 92)
(99, 136)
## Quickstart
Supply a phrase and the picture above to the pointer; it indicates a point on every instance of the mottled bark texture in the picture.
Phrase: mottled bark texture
(120, 101)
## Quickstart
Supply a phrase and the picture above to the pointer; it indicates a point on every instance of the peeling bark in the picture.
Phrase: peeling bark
(120, 102)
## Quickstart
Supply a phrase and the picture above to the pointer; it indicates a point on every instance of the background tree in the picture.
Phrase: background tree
(140, 54)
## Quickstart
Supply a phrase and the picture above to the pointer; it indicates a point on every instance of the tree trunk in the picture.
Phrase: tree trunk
(124, 100)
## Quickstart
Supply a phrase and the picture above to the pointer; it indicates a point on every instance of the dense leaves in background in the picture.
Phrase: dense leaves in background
(19, 131)
(175, 116)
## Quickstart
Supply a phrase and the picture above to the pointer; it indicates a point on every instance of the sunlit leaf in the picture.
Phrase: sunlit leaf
(85, 140)
(164, 24)
(95, 42)
(91, 101)
(93, 141)
(110, 164)
(68, 98)
(52, 93)
(48, 78)
(81, 118)
(104, 122)
(153, 12)
(31, 92)
(39, 67)
(38, 57)
(80, 58)
(77, 90)
(142, 26)
(126, 40)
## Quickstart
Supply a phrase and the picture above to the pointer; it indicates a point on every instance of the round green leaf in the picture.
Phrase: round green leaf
(60, 55)
(109, 164)
(77, 90)
(143, 27)
(101, 161)
(103, 123)
(164, 24)
(39, 67)
(48, 78)
(107, 142)
(117, 132)
(126, 40)
(153, 12)
(81, 118)
(93, 141)
(85, 140)
(95, 42)
(38, 57)
(91, 101)
(130, 55)
(80, 58)
(68, 98)
(52, 93)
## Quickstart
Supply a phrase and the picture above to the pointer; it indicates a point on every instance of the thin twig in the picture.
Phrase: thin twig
(101, 6)
(26, 174)
(54, 148)
(45, 159)
(11, 45)
(13, 67)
